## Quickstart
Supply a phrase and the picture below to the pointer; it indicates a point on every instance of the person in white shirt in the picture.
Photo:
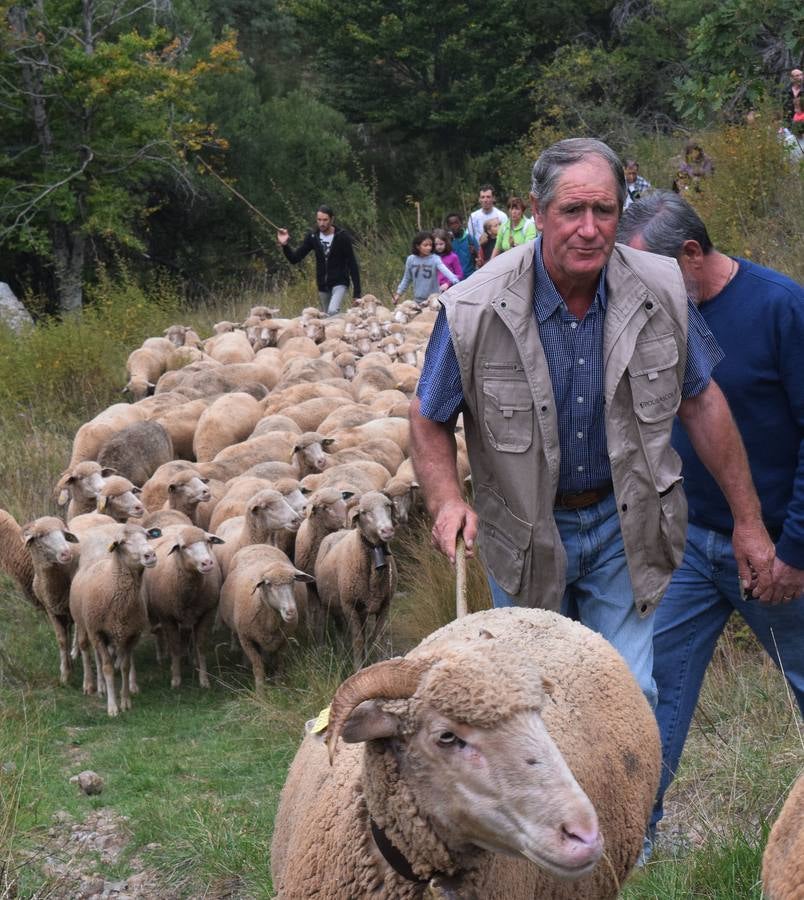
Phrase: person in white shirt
(480, 216)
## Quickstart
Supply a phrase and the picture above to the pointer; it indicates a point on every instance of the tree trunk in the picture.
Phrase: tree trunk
(68, 256)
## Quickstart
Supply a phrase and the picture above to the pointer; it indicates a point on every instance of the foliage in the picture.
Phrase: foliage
(100, 102)
(734, 52)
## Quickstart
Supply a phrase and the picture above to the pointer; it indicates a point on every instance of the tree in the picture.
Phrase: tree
(100, 104)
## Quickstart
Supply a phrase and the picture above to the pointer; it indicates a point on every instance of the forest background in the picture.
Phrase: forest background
(118, 114)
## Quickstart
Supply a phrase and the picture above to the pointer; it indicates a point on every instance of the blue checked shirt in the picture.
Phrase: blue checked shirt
(574, 352)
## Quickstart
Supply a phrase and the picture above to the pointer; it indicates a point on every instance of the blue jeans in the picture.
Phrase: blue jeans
(703, 594)
(330, 301)
(598, 591)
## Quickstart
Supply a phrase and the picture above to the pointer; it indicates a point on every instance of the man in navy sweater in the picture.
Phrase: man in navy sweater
(757, 317)
(335, 260)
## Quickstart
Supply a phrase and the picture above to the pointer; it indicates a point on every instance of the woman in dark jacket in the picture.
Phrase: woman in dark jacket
(335, 260)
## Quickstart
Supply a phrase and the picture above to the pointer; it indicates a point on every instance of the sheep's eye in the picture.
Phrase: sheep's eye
(448, 739)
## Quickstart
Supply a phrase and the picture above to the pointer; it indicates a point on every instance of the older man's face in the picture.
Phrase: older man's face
(579, 226)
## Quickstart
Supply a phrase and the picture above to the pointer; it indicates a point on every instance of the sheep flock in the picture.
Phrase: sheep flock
(256, 482)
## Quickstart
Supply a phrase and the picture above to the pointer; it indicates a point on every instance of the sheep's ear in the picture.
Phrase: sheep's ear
(113, 546)
(303, 577)
(347, 495)
(171, 488)
(258, 585)
(353, 515)
(414, 484)
(214, 539)
(136, 490)
(297, 448)
(174, 548)
(102, 502)
(64, 497)
(70, 537)
(327, 442)
(304, 490)
(370, 722)
(205, 480)
(28, 536)
(154, 533)
(125, 390)
(106, 472)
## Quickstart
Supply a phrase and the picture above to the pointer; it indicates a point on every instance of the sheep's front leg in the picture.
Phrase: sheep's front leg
(99, 672)
(173, 637)
(252, 651)
(201, 635)
(61, 627)
(82, 644)
(125, 672)
(133, 687)
(107, 666)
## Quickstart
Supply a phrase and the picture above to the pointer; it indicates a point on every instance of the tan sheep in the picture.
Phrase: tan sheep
(15, 560)
(155, 490)
(187, 491)
(355, 573)
(394, 428)
(402, 492)
(230, 347)
(233, 502)
(381, 450)
(181, 593)
(310, 413)
(54, 561)
(143, 369)
(164, 518)
(181, 423)
(515, 710)
(267, 515)
(356, 477)
(182, 336)
(92, 435)
(272, 471)
(228, 420)
(79, 487)
(298, 393)
(783, 860)
(275, 422)
(346, 415)
(119, 499)
(277, 446)
(258, 602)
(108, 611)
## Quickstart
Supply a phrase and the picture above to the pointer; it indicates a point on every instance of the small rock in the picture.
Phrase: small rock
(89, 782)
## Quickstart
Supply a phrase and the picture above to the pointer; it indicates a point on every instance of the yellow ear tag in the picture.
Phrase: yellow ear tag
(321, 722)
(101, 503)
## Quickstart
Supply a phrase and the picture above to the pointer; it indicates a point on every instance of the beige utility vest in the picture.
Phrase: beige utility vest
(511, 421)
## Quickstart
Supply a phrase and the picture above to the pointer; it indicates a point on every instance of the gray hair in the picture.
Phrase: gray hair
(664, 221)
(551, 163)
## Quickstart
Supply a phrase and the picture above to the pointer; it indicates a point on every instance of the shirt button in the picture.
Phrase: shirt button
(581, 361)
(580, 434)
(580, 399)
(573, 324)
(580, 468)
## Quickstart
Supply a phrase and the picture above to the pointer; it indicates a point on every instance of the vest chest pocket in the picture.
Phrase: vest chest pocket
(654, 384)
(508, 414)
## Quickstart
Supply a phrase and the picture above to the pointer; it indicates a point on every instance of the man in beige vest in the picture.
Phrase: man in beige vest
(569, 359)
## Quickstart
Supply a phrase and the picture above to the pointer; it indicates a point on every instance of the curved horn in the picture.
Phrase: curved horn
(392, 679)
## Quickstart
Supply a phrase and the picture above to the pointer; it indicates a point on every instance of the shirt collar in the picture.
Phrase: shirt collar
(546, 299)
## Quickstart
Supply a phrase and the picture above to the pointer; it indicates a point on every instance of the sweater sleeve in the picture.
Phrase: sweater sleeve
(790, 547)
(447, 273)
(297, 255)
(406, 277)
(455, 265)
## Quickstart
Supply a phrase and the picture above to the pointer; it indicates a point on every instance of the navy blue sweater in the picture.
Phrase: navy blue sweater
(758, 320)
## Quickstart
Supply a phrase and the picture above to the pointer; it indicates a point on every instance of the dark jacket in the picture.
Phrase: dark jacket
(337, 268)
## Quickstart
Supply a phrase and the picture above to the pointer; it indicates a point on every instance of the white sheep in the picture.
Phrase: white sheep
(92, 435)
(267, 515)
(108, 611)
(783, 860)
(228, 420)
(186, 492)
(181, 422)
(79, 487)
(258, 602)
(181, 593)
(503, 756)
(143, 369)
(54, 563)
(118, 498)
(355, 573)
(230, 347)
(358, 477)
(15, 560)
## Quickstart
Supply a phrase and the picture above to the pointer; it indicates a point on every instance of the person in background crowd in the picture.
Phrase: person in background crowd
(636, 186)
(442, 244)
(516, 230)
(421, 269)
(569, 358)
(757, 317)
(794, 102)
(335, 260)
(480, 216)
(695, 166)
(463, 243)
(488, 240)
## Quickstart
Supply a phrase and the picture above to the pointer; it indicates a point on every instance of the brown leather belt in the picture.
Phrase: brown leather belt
(580, 499)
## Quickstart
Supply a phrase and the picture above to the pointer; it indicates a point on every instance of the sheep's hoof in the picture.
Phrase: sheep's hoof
(175, 682)
(134, 688)
(89, 689)
(204, 682)
(125, 703)
(113, 710)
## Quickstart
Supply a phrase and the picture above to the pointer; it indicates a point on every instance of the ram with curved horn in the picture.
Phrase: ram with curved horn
(472, 769)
